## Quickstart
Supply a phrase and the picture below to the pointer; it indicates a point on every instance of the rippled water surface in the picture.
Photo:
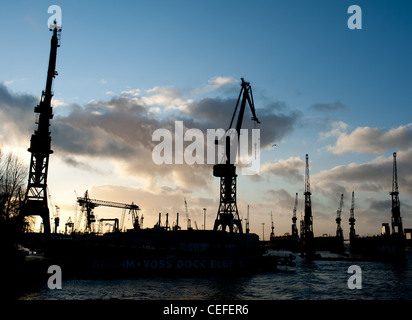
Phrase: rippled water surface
(309, 280)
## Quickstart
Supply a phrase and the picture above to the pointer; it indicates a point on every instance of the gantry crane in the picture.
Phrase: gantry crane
(88, 205)
(228, 214)
(35, 202)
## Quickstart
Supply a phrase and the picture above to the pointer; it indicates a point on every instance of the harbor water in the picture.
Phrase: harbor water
(315, 280)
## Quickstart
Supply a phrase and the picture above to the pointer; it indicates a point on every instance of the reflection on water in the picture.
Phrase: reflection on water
(309, 280)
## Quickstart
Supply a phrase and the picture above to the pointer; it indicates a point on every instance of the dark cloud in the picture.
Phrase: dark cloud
(121, 129)
(10, 101)
(289, 169)
(217, 113)
(16, 113)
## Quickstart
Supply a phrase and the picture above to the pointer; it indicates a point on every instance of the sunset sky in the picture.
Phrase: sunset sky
(127, 68)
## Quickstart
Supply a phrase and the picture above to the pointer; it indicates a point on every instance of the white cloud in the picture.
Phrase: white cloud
(131, 92)
(289, 168)
(219, 82)
(58, 103)
(370, 140)
(338, 127)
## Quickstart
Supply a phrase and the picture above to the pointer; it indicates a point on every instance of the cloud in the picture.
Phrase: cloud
(373, 176)
(328, 107)
(219, 82)
(290, 169)
(371, 140)
(338, 127)
(217, 112)
(120, 129)
(16, 113)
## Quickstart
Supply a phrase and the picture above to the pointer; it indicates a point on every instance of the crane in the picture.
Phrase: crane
(69, 225)
(88, 206)
(228, 214)
(339, 231)
(272, 234)
(396, 212)
(352, 220)
(294, 227)
(247, 220)
(55, 210)
(35, 201)
(176, 225)
(307, 232)
(189, 223)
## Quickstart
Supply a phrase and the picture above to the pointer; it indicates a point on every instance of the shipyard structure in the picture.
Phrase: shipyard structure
(163, 249)
(167, 248)
(389, 245)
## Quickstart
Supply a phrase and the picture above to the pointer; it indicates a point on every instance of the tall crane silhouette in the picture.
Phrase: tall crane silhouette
(396, 212)
(339, 231)
(35, 202)
(228, 214)
(307, 237)
(294, 227)
(352, 232)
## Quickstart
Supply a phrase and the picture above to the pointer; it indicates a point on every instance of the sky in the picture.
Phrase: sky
(127, 68)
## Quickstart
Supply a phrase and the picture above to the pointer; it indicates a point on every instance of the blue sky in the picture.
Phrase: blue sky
(342, 96)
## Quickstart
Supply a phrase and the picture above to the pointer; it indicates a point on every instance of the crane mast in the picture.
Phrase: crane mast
(294, 227)
(189, 222)
(307, 234)
(272, 234)
(35, 202)
(228, 214)
(352, 219)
